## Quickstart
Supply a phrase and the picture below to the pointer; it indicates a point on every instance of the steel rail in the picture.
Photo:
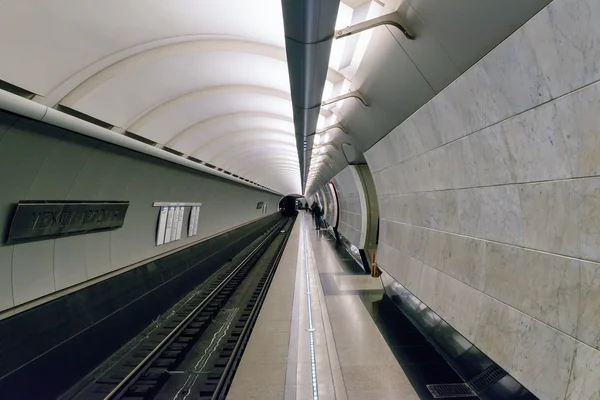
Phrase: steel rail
(132, 377)
(220, 391)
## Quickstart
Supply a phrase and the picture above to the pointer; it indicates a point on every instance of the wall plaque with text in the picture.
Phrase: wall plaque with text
(40, 220)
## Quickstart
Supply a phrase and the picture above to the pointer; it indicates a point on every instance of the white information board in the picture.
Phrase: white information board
(170, 225)
(162, 224)
(193, 221)
(170, 221)
(181, 211)
(196, 220)
(175, 223)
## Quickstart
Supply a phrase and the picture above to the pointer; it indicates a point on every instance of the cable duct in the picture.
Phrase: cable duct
(309, 29)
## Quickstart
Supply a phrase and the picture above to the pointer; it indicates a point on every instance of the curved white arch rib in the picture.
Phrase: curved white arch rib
(225, 153)
(274, 172)
(148, 115)
(202, 127)
(238, 160)
(73, 89)
(259, 164)
(240, 137)
(257, 171)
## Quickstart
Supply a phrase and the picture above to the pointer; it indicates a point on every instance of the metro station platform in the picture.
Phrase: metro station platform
(317, 335)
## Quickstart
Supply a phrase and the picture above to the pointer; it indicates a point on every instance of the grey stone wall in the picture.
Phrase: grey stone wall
(489, 200)
(350, 223)
(43, 162)
(331, 206)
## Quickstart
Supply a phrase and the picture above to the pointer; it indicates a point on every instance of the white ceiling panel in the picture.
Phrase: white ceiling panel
(69, 35)
(128, 94)
(197, 135)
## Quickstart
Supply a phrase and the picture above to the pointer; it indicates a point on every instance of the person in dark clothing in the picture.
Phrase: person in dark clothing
(317, 213)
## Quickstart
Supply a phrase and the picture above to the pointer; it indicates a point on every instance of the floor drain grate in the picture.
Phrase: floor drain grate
(450, 390)
(488, 377)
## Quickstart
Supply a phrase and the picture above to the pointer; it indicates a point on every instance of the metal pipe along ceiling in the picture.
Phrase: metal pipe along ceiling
(309, 27)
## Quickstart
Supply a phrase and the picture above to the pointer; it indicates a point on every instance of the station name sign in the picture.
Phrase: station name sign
(40, 220)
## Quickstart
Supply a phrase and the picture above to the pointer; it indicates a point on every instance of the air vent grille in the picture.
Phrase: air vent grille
(9, 87)
(450, 390)
(488, 377)
(139, 138)
(172, 151)
(82, 116)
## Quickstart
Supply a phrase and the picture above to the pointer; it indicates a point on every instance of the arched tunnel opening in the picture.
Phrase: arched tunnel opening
(288, 205)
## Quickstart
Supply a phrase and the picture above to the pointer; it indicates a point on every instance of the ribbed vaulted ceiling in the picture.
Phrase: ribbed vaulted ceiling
(208, 79)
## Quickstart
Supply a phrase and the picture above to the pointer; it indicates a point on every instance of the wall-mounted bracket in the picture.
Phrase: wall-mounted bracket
(355, 94)
(323, 145)
(393, 19)
(330, 127)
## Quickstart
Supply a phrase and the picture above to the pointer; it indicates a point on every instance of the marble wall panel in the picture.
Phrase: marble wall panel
(492, 159)
(464, 259)
(577, 117)
(585, 375)
(413, 275)
(492, 192)
(588, 204)
(498, 330)
(514, 80)
(566, 41)
(538, 149)
(550, 217)
(588, 328)
(428, 285)
(458, 304)
(542, 359)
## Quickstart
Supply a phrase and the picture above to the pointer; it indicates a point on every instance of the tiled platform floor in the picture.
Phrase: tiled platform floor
(352, 360)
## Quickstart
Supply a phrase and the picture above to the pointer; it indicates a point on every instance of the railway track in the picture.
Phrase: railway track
(195, 352)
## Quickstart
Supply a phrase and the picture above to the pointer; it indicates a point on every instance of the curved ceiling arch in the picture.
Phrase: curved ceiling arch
(233, 164)
(259, 173)
(208, 128)
(70, 35)
(258, 170)
(281, 161)
(126, 95)
(144, 54)
(166, 127)
(275, 172)
(239, 156)
(221, 124)
(281, 145)
(86, 81)
(240, 137)
(216, 126)
(148, 115)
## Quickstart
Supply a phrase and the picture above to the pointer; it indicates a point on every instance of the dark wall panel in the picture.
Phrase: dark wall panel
(42, 162)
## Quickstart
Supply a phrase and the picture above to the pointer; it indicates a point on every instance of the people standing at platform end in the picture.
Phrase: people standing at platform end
(317, 215)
